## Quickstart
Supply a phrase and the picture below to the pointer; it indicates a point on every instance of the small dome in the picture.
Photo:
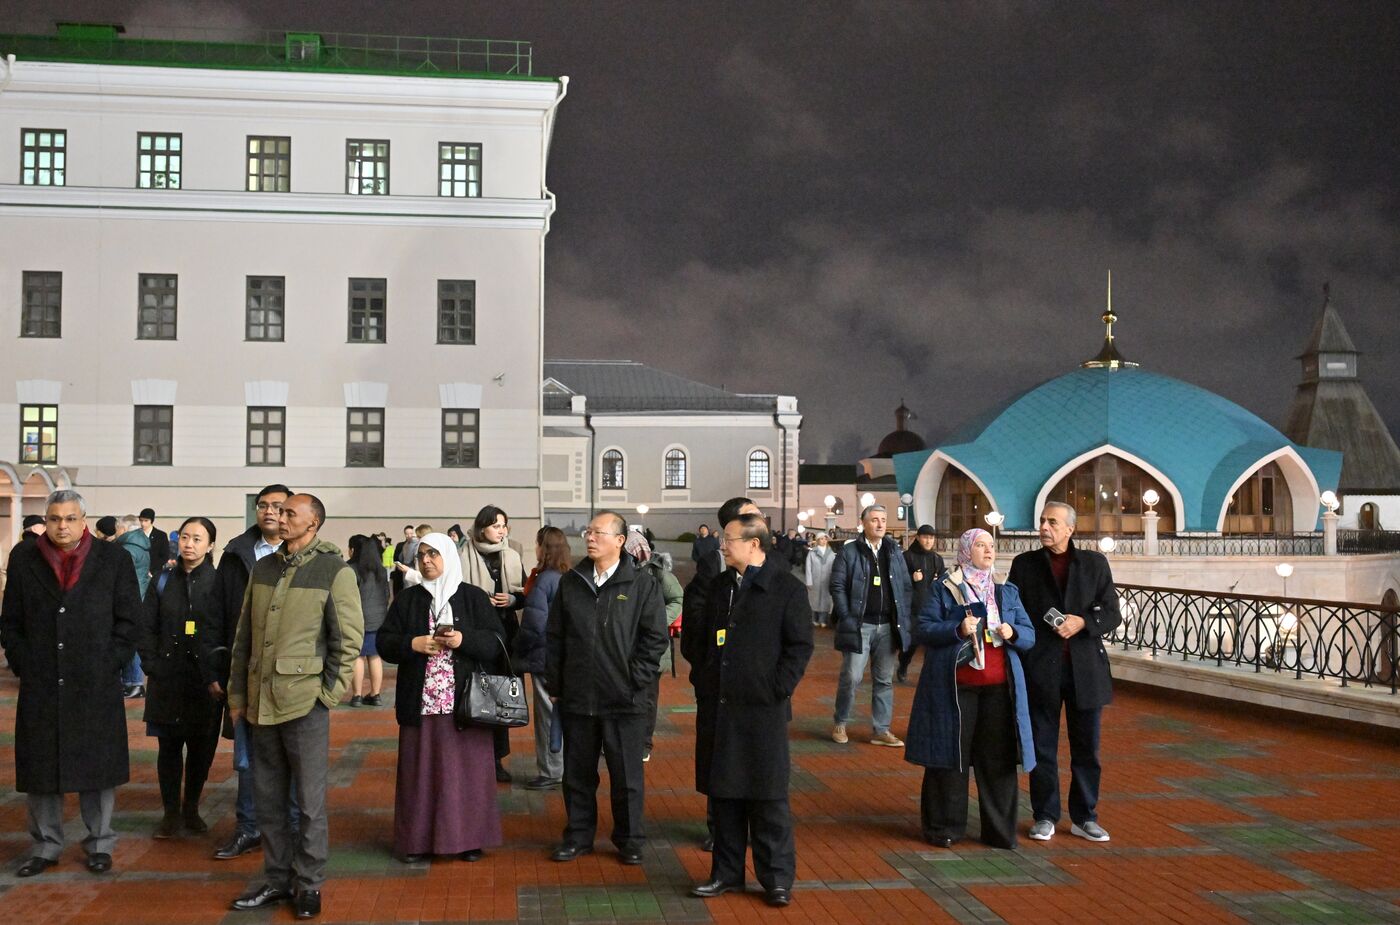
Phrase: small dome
(901, 439)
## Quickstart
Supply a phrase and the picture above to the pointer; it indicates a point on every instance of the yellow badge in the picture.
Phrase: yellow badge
(719, 637)
(189, 627)
(877, 581)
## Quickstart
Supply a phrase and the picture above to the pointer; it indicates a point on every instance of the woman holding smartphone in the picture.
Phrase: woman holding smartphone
(438, 633)
(970, 707)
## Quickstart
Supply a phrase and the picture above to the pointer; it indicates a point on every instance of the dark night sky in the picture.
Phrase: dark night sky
(858, 202)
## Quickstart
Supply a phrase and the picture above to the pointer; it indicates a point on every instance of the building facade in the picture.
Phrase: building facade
(321, 267)
(620, 435)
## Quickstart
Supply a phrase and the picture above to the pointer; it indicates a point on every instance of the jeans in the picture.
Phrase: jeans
(877, 648)
(131, 673)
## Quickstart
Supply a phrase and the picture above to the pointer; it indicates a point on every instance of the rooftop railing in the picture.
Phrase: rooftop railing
(1345, 642)
(344, 52)
(1349, 542)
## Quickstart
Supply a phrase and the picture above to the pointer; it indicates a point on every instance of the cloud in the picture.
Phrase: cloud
(787, 124)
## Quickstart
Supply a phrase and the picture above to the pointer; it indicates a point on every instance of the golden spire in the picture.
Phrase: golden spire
(1109, 357)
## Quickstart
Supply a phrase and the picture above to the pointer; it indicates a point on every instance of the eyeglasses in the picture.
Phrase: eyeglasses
(274, 506)
(728, 540)
(428, 552)
(70, 520)
(586, 532)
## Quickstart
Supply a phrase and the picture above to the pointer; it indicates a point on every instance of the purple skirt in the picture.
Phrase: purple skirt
(445, 798)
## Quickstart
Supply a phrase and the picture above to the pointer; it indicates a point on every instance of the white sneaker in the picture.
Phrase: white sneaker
(1090, 830)
(1042, 830)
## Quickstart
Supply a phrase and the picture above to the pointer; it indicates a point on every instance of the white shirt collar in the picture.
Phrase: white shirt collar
(601, 578)
(263, 548)
(875, 545)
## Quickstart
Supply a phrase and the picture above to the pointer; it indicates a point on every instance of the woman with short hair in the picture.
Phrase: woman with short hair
(438, 633)
(184, 702)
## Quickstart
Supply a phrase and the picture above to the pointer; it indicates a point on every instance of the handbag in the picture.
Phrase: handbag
(492, 699)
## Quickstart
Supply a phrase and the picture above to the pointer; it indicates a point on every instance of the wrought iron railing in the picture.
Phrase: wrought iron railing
(1364, 541)
(1346, 642)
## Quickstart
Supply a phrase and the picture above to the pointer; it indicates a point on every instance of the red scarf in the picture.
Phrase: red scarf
(66, 565)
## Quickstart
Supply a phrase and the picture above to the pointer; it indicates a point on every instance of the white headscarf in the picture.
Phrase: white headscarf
(445, 585)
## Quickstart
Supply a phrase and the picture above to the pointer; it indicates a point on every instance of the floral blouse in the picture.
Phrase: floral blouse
(439, 683)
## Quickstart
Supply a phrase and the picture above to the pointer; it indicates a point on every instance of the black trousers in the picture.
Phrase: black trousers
(652, 705)
(1085, 772)
(187, 756)
(618, 739)
(989, 745)
(764, 824)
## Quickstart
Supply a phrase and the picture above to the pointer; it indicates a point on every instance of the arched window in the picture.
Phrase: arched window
(961, 504)
(1106, 494)
(759, 470)
(675, 469)
(1262, 505)
(612, 469)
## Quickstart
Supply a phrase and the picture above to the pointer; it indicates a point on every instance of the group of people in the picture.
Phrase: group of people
(262, 646)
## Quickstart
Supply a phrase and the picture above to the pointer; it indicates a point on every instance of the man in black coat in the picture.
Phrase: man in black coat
(604, 639)
(160, 543)
(1068, 667)
(404, 551)
(755, 641)
(235, 567)
(68, 625)
(925, 566)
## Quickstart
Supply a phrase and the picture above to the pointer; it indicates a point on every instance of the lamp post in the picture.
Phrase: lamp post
(866, 500)
(641, 515)
(1107, 544)
(1149, 522)
(994, 520)
(1287, 630)
(802, 517)
(830, 502)
(907, 500)
(1283, 570)
(1329, 522)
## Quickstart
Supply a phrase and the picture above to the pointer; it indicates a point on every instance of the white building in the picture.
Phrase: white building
(310, 262)
(619, 434)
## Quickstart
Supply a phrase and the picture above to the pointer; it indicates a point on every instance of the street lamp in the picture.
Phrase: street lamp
(1107, 544)
(642, 513)
(1150, 498)
(907, 500)
(802, 516)
(1287, 624)
(994, 520)
(830, 502)
(1330, 501)
(866, 500)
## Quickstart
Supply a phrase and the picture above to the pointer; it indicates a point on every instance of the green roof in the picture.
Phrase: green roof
(314, 52)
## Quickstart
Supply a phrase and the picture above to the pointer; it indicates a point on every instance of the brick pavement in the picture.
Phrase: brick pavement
(1216, 816)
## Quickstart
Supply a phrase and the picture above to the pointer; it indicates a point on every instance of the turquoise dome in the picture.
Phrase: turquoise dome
(1202, 443)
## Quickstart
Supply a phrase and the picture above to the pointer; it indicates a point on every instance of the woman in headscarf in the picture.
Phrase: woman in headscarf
(970, 707)
(658, 566)
(438, 633)
(489, 562)
(820, 558)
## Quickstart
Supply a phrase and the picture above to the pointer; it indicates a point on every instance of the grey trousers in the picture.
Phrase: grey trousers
(294, 753)
(550, 764)
(46, 822)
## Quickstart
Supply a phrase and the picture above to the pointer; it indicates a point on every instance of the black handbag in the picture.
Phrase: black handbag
(492, 699)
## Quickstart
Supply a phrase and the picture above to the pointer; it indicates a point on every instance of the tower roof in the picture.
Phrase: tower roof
(1329, 335)
(901, 439)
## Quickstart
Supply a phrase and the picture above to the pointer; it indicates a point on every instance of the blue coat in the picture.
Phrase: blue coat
(850, 581)
(935, 723)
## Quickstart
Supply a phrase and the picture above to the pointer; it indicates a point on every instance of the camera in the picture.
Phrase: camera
(1054, 618)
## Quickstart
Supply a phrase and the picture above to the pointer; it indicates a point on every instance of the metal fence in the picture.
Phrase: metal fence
(1346, 642)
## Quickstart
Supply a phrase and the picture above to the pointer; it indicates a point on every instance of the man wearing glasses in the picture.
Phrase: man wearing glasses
(236, 564)
(604, 639)
(68, 625)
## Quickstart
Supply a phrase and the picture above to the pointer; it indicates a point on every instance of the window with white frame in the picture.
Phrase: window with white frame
(612, 469)
(759, 470)
(675, 469)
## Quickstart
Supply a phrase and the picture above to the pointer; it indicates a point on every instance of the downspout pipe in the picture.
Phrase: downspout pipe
(547, 137)
(9, 72)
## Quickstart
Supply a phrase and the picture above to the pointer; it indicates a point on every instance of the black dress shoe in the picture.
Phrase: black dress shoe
(941, 841)
(568, 852)
(502, 775)
(630, 856)
(260, 896)
(307, 904)
(99, 863)
(708, 844)
(778, 897)
(542, 783)
(716, 888)
(241, 844)
(34, 866)
(472, 856)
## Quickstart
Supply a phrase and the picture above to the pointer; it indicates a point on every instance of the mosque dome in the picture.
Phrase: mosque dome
(901, 439)
(1141, 430)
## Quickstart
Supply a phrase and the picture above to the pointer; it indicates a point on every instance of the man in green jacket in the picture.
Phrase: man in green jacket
(293, 654)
